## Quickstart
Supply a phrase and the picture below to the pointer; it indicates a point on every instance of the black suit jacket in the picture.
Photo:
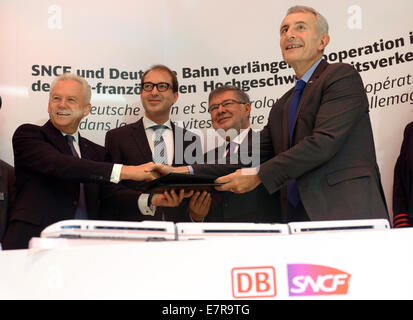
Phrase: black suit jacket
(7, 194)
(333, 156)
(254, 206)
(403, 182)
(48, 178)
(129, 145)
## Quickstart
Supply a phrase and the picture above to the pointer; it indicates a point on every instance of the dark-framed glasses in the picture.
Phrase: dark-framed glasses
(224, 104)
(161, 86)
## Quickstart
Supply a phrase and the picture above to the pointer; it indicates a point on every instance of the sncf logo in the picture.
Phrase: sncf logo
(253, 282)
(310, 280)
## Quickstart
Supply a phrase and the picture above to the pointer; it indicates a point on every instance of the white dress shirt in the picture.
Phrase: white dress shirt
(168, 137)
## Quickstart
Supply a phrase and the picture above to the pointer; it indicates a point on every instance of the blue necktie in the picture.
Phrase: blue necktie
(292, 189)
(81, 211)
(159, 149)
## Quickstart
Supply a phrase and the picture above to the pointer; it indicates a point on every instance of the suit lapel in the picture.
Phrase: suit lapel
(56, 138)
(307, 90)
(142, 144)
(84, 148)
(173, 136)
(286, 138)
(306, 93)
(178, 134)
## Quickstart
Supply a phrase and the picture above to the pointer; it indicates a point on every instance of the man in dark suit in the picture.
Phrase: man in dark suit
(154, 138)
(230, 110)
(59, 174)
(319, 147)
(403, 183)
(7, 194)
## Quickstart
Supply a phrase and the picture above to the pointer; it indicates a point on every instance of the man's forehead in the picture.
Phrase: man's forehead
(159, 74)
(219, 97)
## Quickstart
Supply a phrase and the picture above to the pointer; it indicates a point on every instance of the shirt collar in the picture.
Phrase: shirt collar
(240, 138)
(310, 71)
(148, 123)
(75, 135)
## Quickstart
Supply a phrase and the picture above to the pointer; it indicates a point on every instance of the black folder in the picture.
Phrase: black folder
(177, 181)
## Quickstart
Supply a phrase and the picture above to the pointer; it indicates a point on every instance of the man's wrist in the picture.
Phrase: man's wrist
(182, 169)
(124, 173)
(195, 218)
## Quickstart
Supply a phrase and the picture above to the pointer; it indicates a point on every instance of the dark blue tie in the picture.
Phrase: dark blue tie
(81, 211)
(292, 189)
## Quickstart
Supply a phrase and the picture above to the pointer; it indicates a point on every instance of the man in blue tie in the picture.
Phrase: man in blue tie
(317, 146)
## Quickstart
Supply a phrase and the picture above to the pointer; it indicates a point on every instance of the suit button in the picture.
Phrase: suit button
(75, 203)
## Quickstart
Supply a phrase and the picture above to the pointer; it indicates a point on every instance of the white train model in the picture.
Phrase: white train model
(163, 230)
(100, 229)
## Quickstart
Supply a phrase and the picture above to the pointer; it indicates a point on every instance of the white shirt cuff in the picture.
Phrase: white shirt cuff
(191, 170)
(143, 205)
(115, 175)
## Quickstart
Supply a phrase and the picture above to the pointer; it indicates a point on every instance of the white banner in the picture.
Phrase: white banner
(207, 43)
(326, 265)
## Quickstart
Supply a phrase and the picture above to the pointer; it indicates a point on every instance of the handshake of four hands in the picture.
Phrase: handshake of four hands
(240, 181)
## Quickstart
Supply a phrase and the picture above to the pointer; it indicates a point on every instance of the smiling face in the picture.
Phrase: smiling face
(158, 104)
(300, 42)
(67, 105)
(233, 115)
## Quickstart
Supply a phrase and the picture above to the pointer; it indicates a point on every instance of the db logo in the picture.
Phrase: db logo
(310, 280)
(253, 282)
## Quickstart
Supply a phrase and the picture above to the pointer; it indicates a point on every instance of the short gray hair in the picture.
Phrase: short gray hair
(87, 92)
(241, 95)
(322, 24)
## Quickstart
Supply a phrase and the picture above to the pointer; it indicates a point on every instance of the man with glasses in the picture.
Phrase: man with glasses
(230, 110)
(156, 138)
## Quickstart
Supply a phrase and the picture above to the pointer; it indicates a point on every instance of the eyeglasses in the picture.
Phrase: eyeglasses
(161, 86)
(224, 104)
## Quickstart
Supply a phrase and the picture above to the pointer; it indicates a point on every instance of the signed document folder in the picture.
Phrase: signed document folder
(196, 182)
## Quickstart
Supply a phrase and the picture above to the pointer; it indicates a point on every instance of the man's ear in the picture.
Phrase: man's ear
(248, 108)
(87, 109)
(324, 41)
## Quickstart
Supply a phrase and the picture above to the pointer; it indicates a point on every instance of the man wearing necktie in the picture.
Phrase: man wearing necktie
(230, 110)
(7, 195)
(155, 138)
(317, 148)
(61, 175)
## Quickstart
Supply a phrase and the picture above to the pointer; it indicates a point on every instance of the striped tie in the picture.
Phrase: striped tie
(231, 157)
(159, 150)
